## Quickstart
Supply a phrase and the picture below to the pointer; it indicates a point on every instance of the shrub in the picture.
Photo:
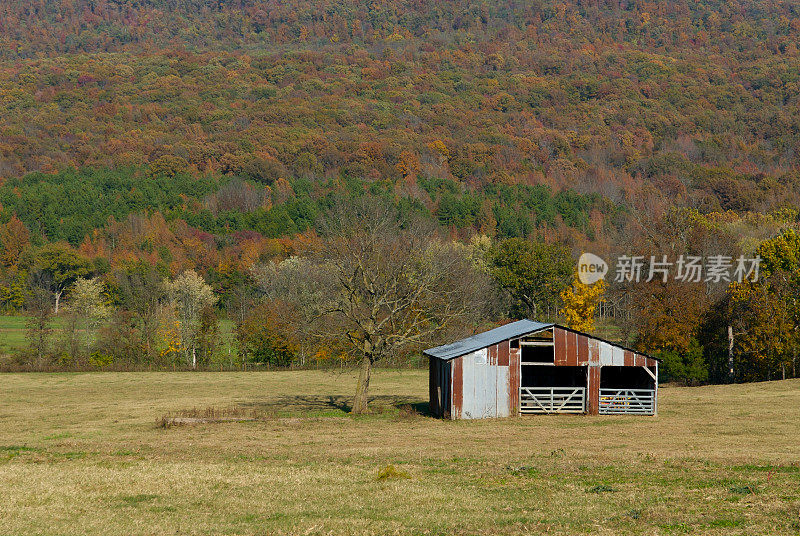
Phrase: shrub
(100, 360)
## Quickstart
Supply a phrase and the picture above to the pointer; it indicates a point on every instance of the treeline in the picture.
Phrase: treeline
(123, 234)
(134, 212)
(108, 25)
(289, 306)
(373, 283)
(176, 146)
(734, 323)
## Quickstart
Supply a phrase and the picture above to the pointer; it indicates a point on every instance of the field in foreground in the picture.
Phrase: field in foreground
(82, 454)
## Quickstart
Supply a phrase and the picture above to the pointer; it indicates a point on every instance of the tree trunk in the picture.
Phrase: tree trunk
(40, 344)
(194, 358)
(58, 299)
(731, 375)
(362, 390)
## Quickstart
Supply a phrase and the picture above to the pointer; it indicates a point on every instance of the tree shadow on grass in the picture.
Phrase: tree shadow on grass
(423, 408)
(326, 403)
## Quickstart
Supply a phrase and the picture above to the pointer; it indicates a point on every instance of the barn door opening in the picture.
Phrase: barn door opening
(627, 390)
(538, 348)
(551, 389)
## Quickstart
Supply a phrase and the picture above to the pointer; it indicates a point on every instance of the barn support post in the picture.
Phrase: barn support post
(515, 379)
(593, 390)
(457, 387)
(655, 394)
(588, 392)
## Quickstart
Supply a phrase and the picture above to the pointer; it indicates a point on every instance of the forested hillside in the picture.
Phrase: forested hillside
(600, 96)
(153, 137)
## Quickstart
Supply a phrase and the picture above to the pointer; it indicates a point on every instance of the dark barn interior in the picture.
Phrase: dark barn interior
(625, 378)
(544, 376)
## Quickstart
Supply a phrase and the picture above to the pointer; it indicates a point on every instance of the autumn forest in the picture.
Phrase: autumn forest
(339, 183)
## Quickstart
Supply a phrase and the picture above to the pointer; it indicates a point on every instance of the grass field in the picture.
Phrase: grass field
(12, 333)
(82, 454)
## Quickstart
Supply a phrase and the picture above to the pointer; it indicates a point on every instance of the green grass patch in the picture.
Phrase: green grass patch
(60, 435)
(725, 523)
(12, 333)
(16, 448)
(767, 468)
(601, 488)
(745, 489)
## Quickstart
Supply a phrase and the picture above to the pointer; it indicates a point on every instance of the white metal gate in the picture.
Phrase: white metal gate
(552, 399)
(636, 401)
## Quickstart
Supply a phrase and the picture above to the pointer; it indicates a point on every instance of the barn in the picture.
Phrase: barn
(528, 367)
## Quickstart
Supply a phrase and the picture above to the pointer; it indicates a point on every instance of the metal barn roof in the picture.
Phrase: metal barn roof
(487, 338)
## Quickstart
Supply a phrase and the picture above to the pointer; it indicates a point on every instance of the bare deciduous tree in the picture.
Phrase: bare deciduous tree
(38, 307)
(382, 284)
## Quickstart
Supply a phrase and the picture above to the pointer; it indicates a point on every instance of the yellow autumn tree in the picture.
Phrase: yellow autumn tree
(765, 312)
(439, 147)
(170, 335)
(580, 303)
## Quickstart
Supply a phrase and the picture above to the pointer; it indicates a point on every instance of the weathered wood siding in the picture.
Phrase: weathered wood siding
(457, 383)
(439, 386)
(593, 390)
(583, 350)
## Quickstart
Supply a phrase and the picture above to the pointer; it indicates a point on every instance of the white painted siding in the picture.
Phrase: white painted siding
(480, 386)
(606, 354)
(485, 387)
(619, 357)
(502, 386)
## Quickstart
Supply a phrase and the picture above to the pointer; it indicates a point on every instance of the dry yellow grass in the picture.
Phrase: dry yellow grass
(82, 454)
